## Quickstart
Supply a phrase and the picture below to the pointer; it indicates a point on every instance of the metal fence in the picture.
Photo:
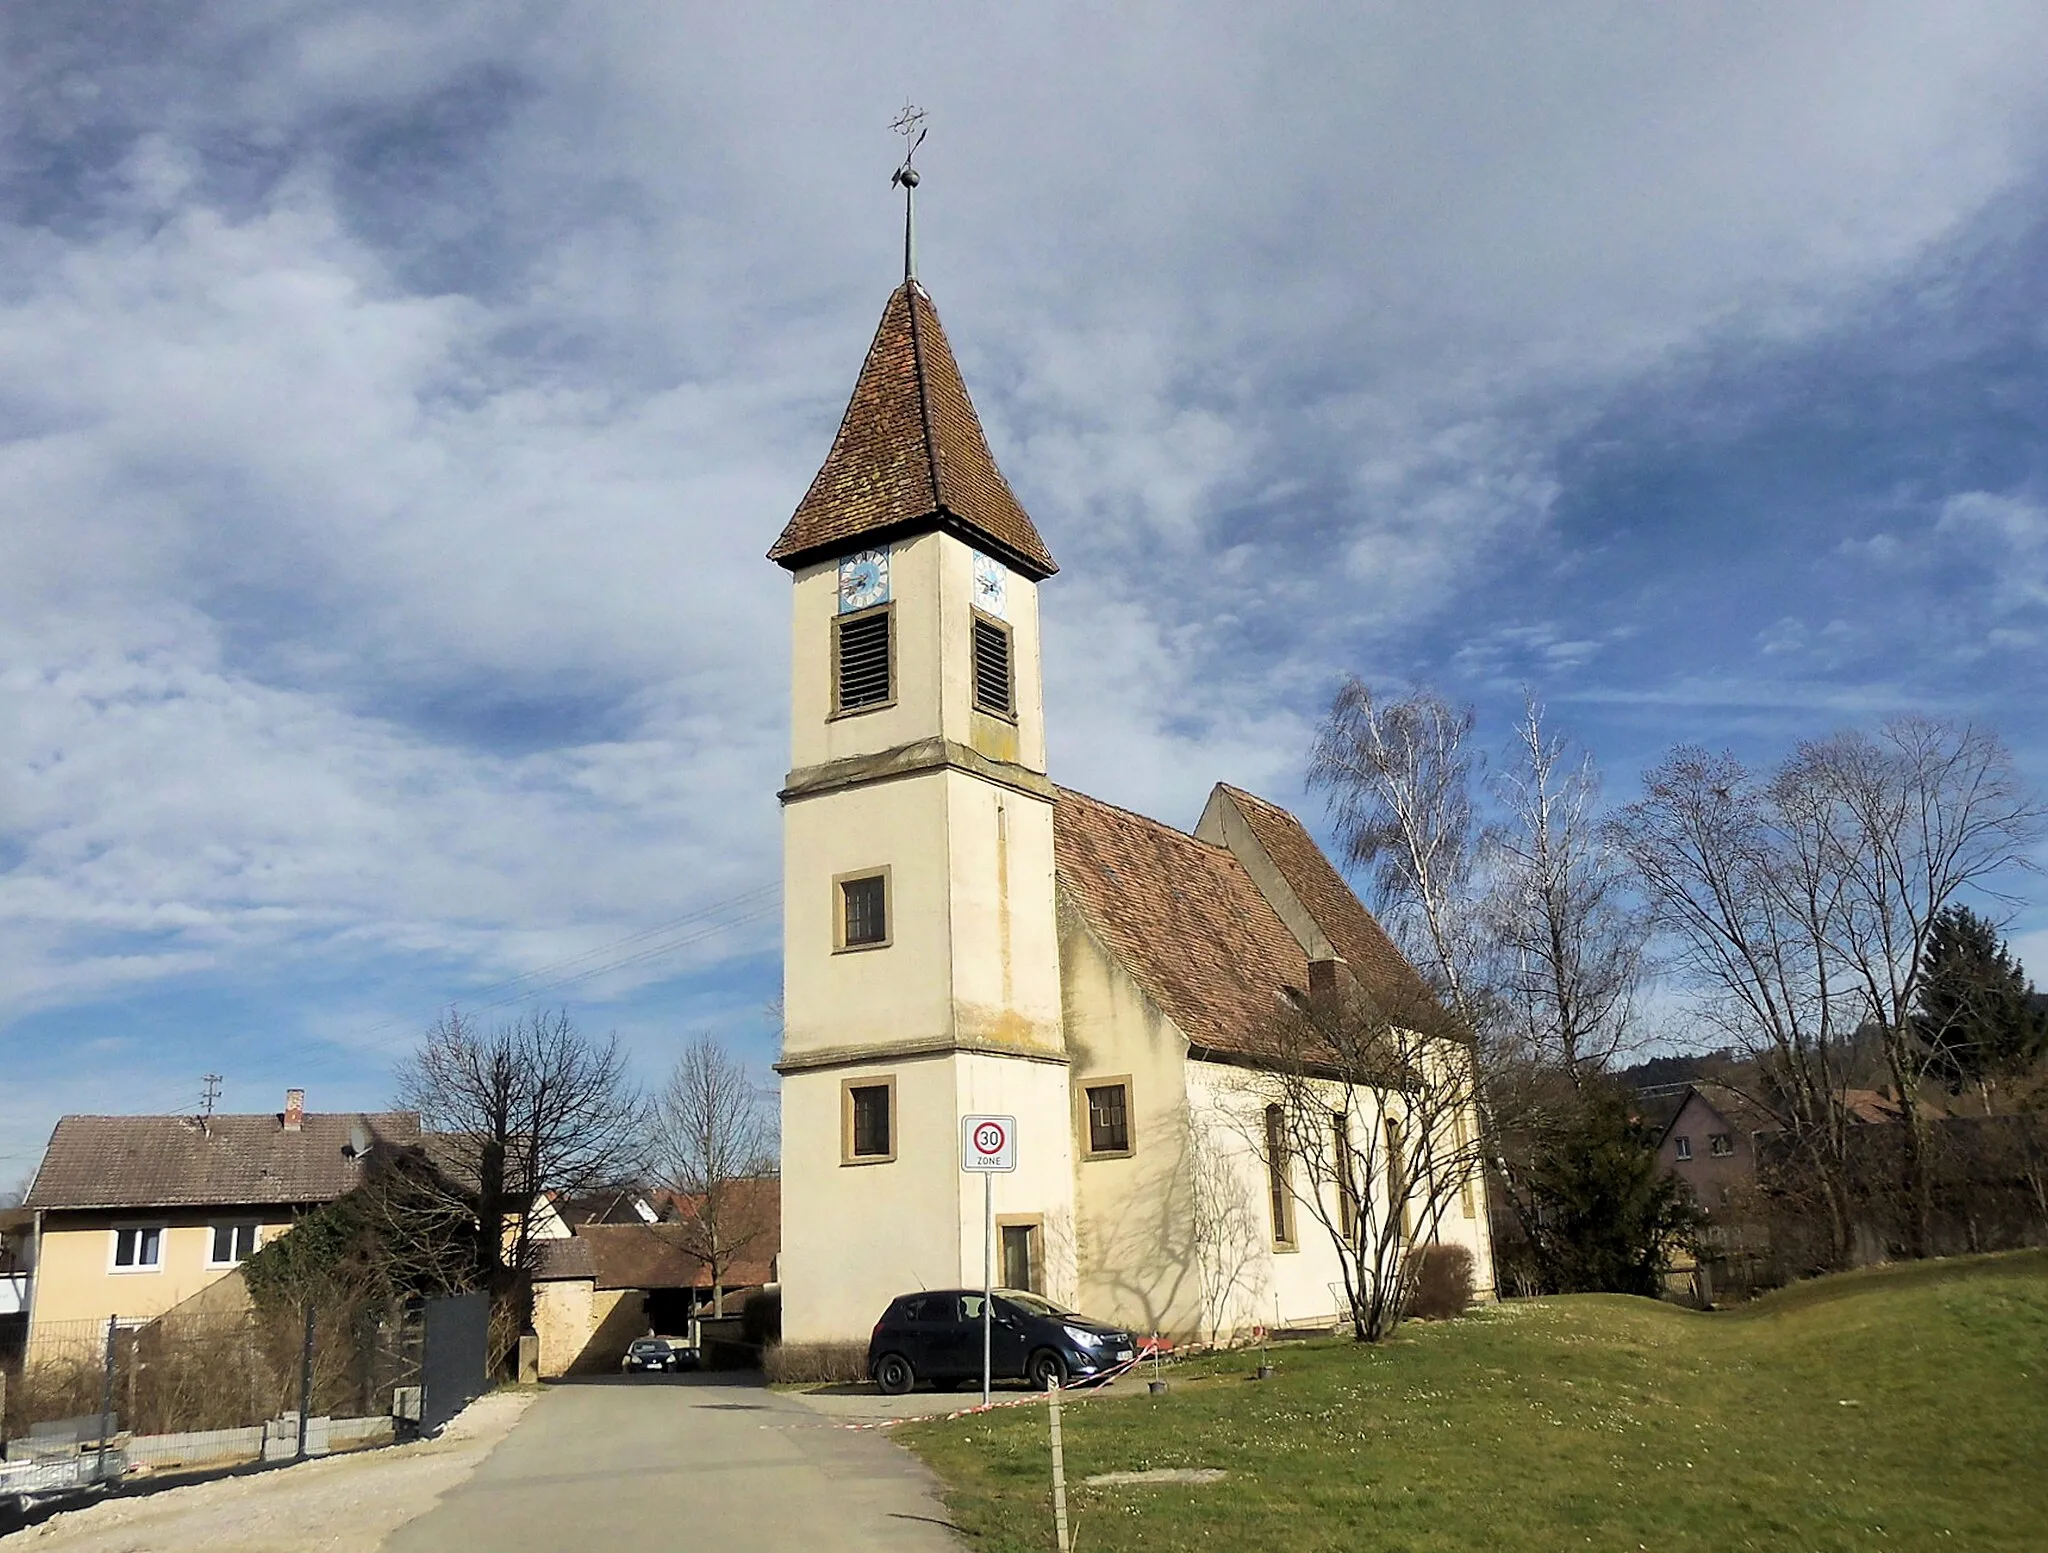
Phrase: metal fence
(94, 1402)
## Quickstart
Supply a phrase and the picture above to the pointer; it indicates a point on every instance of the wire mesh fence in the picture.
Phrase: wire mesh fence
(96, 1401)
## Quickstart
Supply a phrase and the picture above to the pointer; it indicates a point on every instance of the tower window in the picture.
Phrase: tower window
(864, 910)
(992, 667)
(868, 1121)
(861, 671)
(1109, 1118)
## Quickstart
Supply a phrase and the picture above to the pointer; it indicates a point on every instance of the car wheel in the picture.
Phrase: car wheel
(894, 1374)
(1047, 1370)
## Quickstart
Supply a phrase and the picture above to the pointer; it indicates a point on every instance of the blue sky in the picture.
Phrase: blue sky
(396, 406)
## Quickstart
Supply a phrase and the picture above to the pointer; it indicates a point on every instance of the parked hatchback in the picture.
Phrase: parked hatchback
(935, 1335)
(648, 1353)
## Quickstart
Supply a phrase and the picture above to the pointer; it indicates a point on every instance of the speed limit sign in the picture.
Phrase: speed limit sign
(988, 1144)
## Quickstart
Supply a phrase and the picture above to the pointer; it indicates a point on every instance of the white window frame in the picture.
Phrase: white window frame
(114, 1234)
(253, 1226)
(1681, 1146)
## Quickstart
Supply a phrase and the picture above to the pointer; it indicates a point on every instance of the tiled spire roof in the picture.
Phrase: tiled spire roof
(910, 454)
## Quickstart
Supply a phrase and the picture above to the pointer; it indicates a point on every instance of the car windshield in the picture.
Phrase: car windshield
(1033, 1305)
(650, 1345)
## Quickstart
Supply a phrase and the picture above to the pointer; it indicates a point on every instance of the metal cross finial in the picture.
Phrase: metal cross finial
(910, 125)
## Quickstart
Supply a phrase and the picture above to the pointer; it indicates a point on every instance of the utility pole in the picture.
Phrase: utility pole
(208, 1093)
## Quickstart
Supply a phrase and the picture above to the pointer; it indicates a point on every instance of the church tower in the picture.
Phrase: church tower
(921, 978)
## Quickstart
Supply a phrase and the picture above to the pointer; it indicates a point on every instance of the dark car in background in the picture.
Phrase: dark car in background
(935, 1335)
(653, 1353)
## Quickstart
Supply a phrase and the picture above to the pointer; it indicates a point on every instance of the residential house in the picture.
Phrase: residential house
(963, 937)
(133, 1215)
(17, 1271)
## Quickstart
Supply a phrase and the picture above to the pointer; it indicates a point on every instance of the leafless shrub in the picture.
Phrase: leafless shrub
(815, 1363)
(1440, 1282)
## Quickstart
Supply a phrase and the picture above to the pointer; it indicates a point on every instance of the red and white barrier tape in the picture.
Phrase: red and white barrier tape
(1092, 1382)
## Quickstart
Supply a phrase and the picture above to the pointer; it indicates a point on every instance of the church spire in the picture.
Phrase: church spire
(910, 454)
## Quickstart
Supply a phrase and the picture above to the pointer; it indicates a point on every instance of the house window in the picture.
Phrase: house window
(1682, 1147)
(863, 910)
(1347, 1182)
(1022, 1263)
(1109, 1118)
(232, 1244)
(862, 672)
(868, 1121)
(1720, 1143)
(992, 667)
(1279, 1201)
(139, 1248)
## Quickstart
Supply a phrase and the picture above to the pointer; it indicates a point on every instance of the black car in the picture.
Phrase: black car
(936, 1335)
(649, 1353)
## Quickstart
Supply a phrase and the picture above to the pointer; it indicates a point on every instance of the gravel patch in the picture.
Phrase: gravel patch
(336, 1504)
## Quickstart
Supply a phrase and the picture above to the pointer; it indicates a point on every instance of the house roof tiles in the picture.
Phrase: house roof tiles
(188, 1161)
(910, 452)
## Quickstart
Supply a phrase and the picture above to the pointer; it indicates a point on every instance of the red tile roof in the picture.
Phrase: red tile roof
(910, 453)
(1352, 930)
(1182, 917)
(1187, 921)
(643, 1256)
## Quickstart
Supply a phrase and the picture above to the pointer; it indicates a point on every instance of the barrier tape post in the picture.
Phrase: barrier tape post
(1059, 1473)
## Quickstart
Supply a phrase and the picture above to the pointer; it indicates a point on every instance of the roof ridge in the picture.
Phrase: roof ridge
(1156, 824)
(912, 292)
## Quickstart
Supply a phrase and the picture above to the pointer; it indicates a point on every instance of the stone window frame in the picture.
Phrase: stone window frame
(882, 872)
(1279, 1183)
(839, 625)
(1035, 1222)
(1008, 632)
(884, 1081)
(1086, 1124)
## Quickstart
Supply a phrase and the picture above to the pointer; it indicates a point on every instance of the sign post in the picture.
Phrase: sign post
(988, 1148)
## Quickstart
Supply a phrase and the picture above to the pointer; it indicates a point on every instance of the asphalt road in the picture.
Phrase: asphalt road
(616, 1465)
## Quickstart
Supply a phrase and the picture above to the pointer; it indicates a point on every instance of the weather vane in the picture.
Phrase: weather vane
(910, 125)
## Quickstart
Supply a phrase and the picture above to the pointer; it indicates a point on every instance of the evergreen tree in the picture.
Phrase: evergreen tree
(1976, 1016)
(1607, 1214)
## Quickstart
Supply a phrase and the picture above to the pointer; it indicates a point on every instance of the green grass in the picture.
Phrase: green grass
(1900, 1408)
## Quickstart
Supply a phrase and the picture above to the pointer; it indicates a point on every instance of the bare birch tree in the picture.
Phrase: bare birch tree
(717, 1143)
(1399, 778)
(528, 1107)
(1565, 939)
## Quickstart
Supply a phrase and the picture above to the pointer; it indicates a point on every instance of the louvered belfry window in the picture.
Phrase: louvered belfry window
(991, 667)
(862, 661)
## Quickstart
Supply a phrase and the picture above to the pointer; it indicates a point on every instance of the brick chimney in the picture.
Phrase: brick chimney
(1328, 983)
(294, 1109)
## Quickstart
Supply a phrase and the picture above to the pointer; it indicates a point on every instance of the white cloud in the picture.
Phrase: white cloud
(403, 400)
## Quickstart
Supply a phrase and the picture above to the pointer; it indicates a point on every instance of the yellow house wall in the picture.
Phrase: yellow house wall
(76, 1281)
(584, 1329)
(1042, 1185)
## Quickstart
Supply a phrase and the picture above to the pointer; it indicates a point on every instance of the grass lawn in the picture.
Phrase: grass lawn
(1901, 1407)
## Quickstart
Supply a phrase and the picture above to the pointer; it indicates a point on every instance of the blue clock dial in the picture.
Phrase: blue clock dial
(863, 580)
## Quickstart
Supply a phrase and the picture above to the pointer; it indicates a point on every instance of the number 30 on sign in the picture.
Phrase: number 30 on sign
(988, 1143)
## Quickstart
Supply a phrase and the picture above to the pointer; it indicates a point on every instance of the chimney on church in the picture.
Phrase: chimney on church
(294, 1109)
(1328, 982)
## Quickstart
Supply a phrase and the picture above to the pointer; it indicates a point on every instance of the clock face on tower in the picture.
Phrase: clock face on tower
(863, 580)
(990, 586)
